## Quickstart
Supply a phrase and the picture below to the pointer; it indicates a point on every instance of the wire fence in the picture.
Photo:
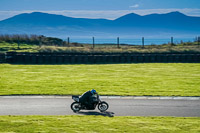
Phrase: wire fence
(142, 41)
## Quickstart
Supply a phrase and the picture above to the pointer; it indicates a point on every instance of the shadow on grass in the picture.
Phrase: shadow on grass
(107, 113)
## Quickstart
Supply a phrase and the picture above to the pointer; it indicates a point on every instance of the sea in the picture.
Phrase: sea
(138, 41)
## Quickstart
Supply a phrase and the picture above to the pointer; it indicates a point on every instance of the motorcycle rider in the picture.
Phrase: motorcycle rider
(86, 98)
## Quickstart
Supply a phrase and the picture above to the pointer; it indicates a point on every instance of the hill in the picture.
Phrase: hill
(130, 25)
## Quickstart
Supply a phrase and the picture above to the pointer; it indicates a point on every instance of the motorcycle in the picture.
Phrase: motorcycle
(96, 102)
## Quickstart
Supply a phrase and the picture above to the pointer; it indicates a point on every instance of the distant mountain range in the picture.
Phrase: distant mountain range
(130, 25)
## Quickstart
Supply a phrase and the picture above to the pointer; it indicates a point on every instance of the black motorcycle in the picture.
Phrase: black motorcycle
(95, 101)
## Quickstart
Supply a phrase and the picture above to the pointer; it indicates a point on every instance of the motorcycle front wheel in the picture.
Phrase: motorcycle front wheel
(75, 106)
(103, 106)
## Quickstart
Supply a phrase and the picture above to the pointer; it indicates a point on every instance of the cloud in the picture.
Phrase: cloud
(134, 6)
(107, 14)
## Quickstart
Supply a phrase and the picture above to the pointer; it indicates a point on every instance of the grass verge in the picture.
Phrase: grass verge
(30, 124)
(192, 47)
(115, 79)
(8, 47)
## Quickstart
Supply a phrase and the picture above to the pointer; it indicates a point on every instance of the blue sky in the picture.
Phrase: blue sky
(109, 9)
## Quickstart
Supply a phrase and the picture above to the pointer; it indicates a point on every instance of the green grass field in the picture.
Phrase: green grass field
(86, 124)
(113, 79)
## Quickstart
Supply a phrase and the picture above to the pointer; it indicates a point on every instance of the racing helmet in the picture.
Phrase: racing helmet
(93, 91)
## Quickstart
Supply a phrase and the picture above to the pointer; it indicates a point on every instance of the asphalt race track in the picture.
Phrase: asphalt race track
(38, 105)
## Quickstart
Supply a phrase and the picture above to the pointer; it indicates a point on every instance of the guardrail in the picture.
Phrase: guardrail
(61, 58)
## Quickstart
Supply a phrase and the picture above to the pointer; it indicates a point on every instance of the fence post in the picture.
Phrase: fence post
(68, 41)
(142, 42)
(172, 41)
(93, 42)
(40, 41)
(198, 40)
(18, 42)
(117, 42)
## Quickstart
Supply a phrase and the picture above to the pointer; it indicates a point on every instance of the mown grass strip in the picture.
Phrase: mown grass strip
(30, 124)
(155, 79)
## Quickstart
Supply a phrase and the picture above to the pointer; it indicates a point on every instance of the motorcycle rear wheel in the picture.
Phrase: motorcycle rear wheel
(103, 106)
(75, 106)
